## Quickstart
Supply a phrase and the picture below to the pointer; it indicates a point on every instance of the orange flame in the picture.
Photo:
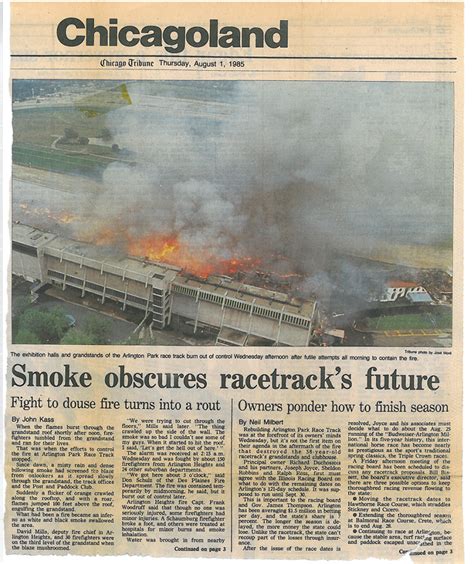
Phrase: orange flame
(170, 249)
(157, 247)
(154, 247)
(64, 217)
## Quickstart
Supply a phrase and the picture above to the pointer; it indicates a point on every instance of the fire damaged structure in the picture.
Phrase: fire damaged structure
(239, 314)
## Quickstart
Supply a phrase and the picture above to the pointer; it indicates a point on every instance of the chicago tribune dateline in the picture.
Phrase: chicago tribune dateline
(235, 281)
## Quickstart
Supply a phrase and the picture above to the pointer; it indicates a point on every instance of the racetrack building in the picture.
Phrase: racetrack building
(239, 314)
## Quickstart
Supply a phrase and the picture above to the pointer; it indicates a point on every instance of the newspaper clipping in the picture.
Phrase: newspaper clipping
(235, 280)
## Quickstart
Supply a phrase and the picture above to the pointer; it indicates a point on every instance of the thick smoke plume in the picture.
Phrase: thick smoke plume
(296, 173)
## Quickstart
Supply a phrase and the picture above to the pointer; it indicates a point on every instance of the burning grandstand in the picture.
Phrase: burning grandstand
(239, 314)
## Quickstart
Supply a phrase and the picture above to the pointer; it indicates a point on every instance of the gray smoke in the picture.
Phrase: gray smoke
(305, 170)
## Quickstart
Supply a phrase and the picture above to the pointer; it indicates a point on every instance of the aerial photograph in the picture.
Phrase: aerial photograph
(232, 213)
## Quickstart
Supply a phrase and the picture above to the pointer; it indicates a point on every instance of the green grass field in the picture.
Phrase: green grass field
(433, 318)
(36, 128)
(59, 161)
(42, 125)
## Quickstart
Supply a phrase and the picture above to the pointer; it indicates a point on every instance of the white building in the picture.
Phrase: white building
(397, 289)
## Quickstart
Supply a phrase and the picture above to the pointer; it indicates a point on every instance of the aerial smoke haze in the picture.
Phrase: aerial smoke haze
(302, 170)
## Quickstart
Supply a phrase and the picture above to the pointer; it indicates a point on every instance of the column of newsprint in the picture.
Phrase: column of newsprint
(233, 458)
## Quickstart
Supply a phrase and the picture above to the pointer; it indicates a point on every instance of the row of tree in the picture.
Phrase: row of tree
(33, 325)
(72, 137)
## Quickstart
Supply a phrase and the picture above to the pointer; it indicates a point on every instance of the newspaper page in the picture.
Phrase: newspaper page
(235, 318)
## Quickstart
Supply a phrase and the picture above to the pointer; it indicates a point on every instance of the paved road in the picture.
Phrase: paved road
(435, 340)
